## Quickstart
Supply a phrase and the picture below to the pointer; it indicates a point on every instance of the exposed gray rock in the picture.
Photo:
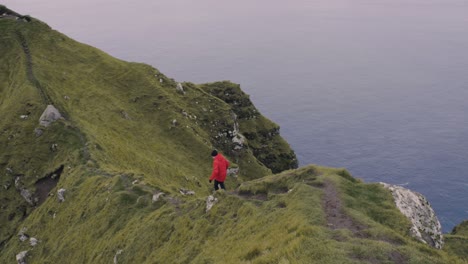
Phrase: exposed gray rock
(156, 196)
(175, 123)
(25, 193)
(24, 117)
(61, 195)
(50, 115)
(22, 234)
(33, 241)
(210, 201)
(238, 141)
(186, 192)
(27, 196)
(21, 257)
(425, 225)
(66, 97)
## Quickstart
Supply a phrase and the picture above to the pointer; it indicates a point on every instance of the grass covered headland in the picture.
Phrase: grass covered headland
(122, 175)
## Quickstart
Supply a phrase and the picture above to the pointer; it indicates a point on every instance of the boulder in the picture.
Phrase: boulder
(425, 225)
(50, 115)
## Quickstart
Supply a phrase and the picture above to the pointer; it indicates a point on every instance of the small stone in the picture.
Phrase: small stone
(174, 122)
(160, 80)
(186, 192)
(179, 88)
(61, 195)
(24, 117)
(54, 147)
(38, 132)
(210, 201)
(233, 172)
(21, 257)
(33, 241)
(66, 97)
(156, 196)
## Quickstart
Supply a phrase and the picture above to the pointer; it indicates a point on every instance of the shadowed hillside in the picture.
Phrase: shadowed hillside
(120, 173)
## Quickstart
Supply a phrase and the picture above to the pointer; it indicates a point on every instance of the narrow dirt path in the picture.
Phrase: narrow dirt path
(29, 69)
(336, 218)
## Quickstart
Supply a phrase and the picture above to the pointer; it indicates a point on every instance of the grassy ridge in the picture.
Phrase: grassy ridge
(129, 134)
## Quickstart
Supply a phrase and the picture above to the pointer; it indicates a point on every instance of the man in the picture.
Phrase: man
(220, 165)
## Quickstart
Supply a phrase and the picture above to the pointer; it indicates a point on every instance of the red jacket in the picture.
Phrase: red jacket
(220, 165)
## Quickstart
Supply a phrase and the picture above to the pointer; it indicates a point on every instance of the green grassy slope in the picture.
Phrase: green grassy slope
(119, 145)
(457, 242)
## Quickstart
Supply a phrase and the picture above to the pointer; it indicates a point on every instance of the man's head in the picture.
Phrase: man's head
(214, 153)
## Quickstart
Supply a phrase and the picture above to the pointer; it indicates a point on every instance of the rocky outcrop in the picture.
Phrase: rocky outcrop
(425, 225)
(251, 130)
(50, 115)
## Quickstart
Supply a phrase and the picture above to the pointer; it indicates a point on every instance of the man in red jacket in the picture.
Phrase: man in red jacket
(220, 165)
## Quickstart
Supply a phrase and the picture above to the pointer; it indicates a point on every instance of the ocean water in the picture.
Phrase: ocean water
(379, 87)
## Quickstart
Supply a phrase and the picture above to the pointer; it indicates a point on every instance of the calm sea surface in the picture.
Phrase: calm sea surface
(377, 86)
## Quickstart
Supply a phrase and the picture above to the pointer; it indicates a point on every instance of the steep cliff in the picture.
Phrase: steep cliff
(108, 161)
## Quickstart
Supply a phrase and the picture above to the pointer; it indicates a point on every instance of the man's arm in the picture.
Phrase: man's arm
(215, 170)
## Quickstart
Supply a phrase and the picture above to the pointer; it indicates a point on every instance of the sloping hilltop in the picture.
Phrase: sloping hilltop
(117, 171)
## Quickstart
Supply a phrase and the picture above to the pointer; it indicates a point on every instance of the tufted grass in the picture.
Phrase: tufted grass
(119, 146)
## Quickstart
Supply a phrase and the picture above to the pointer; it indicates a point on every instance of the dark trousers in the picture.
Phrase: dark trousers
(216, 183)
